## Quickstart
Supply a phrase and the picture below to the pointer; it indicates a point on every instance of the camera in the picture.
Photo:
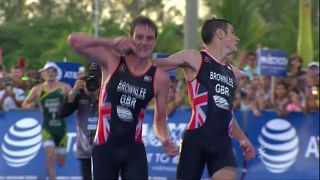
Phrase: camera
(92, 82)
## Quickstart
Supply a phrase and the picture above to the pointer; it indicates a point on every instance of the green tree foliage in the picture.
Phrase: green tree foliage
(305, 44)
(249, 25)
(170, 39)
(39, 40)
(12, 9)
(38, 31)
(270, 23)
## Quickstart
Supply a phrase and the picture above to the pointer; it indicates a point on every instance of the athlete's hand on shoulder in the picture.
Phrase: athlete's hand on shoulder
(170, 148)
(247, 149)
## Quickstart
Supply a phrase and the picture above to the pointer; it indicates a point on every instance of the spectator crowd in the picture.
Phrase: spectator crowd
(297, 92)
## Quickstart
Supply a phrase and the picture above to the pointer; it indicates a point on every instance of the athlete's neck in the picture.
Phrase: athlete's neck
(138, 65)
(50, 84)
(217, 54)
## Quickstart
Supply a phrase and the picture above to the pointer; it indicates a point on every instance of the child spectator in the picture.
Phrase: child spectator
(296, 102)
(281, 98)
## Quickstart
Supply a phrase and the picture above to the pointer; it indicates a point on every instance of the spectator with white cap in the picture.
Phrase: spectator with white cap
(50, 96)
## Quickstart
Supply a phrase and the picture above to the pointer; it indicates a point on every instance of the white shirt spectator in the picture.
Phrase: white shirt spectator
(9, 103)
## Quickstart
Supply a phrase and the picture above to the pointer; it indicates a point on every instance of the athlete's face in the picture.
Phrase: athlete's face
(145, 40)
(231, 40)
(50, 74)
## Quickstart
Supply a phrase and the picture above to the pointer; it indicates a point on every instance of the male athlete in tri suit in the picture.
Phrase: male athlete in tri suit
(211, 83)
(128, 84)
(50, 96)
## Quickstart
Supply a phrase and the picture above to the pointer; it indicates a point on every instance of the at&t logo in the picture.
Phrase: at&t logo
(279, 145)
(22, 142)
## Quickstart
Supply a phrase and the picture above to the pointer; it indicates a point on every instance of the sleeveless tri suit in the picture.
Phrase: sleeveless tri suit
(206, 141)
(54, 129)
(118, 142)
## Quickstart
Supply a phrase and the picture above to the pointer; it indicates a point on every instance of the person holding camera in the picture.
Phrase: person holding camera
(84, 98)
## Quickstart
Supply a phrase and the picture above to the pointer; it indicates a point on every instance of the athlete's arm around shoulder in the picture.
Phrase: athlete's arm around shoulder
(187, 59)
(100, 50)
(34, 94)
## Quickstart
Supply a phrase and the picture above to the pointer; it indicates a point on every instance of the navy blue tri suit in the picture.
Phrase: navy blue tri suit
(118, 148)
(207, 141)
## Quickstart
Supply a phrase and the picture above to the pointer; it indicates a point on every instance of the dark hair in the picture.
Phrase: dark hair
(295, 56)
(143, 21)
(210, 27)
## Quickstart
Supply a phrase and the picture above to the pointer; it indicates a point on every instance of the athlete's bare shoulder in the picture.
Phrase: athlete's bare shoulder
(237, 72)
(66, 87)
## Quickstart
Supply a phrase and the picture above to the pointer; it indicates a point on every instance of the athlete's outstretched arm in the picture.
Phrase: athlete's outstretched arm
(184, 59)
(161, 87)
(247, 148)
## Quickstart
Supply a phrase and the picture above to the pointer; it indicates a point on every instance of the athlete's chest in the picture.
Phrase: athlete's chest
(214, 75)
(128, 90)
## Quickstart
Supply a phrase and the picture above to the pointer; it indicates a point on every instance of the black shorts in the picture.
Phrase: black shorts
(195, 154)
(85, 164)
(129, 161)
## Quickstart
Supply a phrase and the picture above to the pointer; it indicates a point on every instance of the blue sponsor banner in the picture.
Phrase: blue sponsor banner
(287, 147)
(68, 72)
(22, 154)
(272, 62)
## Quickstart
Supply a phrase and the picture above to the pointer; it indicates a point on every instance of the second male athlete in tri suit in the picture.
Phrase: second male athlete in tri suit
(207, 137)
(128, 84)
(211, 84)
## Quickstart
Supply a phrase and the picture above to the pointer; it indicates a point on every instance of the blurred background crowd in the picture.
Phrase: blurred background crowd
(297, 92)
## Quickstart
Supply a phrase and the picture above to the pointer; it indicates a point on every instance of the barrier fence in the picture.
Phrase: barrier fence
(287, 147)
